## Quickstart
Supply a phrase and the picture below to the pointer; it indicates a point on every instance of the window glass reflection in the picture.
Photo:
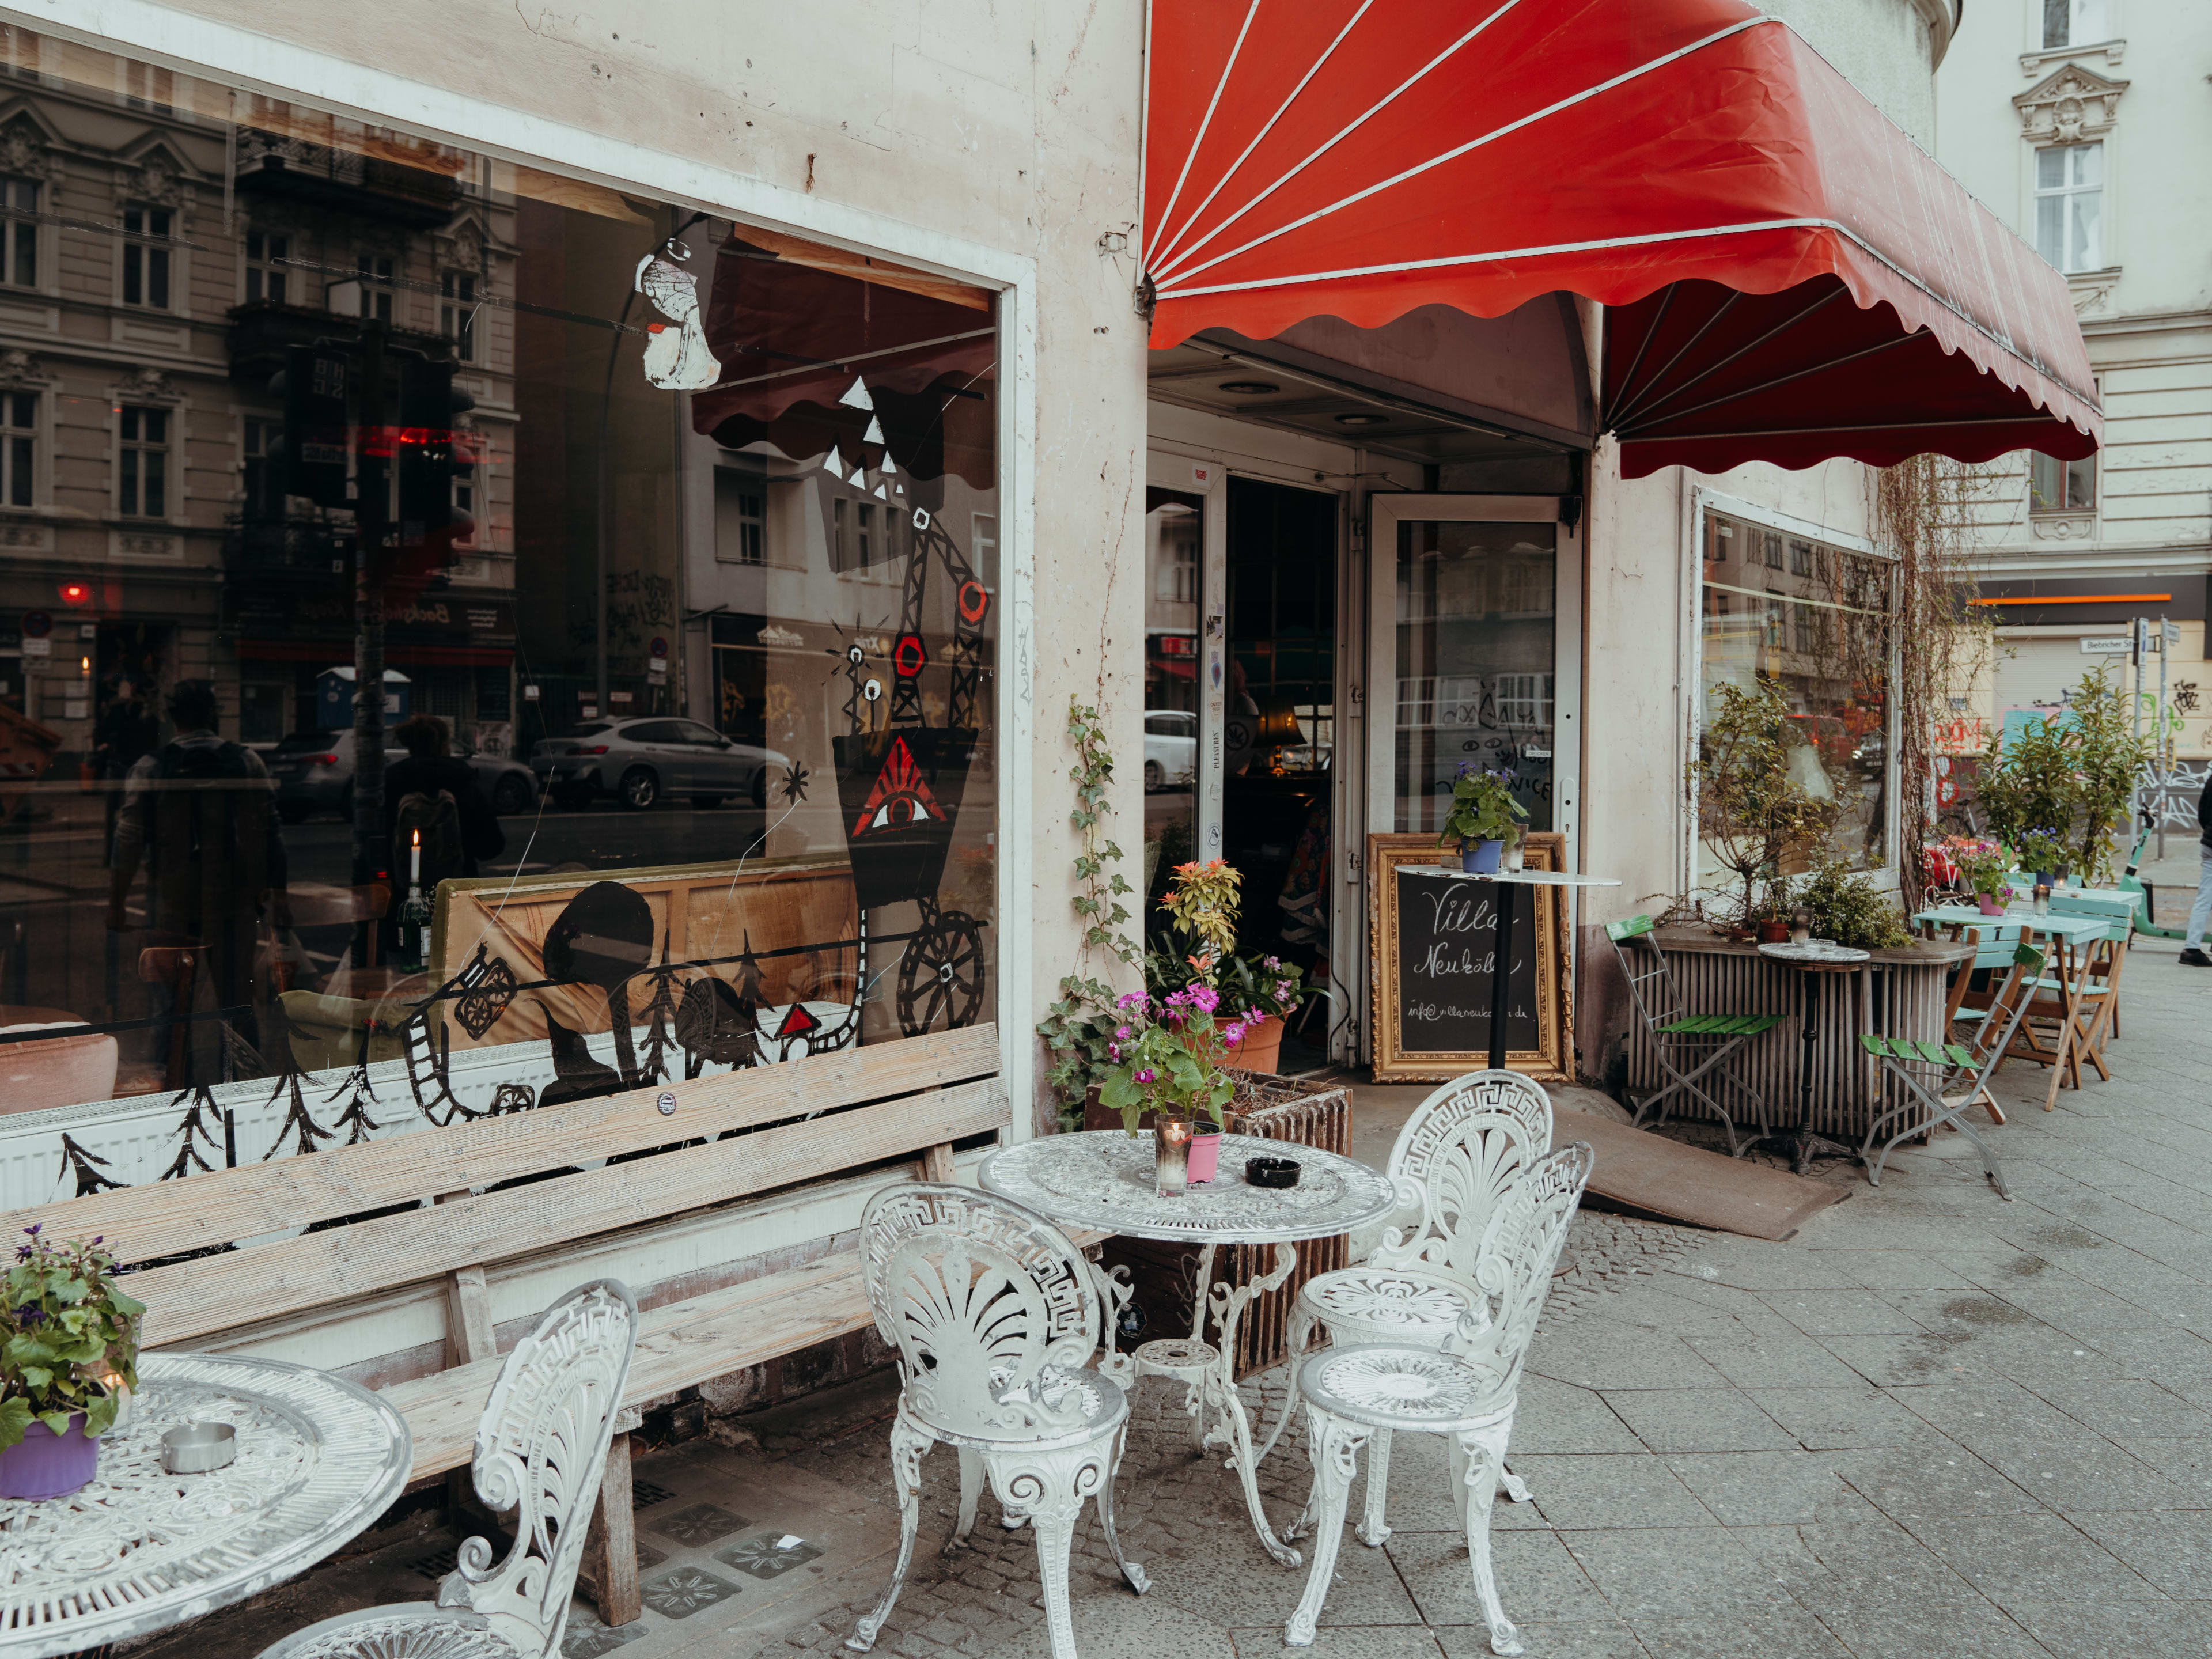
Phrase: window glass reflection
(380, 521)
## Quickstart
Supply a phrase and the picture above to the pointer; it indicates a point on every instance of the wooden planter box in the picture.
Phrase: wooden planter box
(1162, 1273)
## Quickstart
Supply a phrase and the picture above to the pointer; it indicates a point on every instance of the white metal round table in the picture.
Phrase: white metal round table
(140, 1549)
(1102, 1181)
(1811, 959)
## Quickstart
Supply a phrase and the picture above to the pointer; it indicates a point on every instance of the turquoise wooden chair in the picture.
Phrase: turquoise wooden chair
(1944, 1081)
(1692, 1049)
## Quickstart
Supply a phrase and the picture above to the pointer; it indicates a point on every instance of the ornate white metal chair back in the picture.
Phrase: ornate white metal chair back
(979, 1295)
(541, 1450)
(1461, 1149)
(1520, 1248)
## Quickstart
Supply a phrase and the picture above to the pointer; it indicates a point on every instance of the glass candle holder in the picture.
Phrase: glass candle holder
(1801, 927)
(2042, 897)
(1171, 1157)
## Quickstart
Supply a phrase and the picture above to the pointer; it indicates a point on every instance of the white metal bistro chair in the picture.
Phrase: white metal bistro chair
(541, 1447)
(1944, 1081)
(1693, 1050)
(1466, 1391)
(995, 1316)
(1459, 1151)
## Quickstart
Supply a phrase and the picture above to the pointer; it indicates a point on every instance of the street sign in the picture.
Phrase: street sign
(37, 625)
(2112, 645)
(659, 646)
(2173, 633)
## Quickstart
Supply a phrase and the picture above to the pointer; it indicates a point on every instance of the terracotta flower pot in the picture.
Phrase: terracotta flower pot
(1260, 1048)
(1774, 930)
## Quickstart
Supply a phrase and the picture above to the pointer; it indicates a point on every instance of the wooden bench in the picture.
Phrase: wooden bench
(861, 1109)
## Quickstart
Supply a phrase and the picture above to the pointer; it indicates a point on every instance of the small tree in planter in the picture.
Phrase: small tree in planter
(2029, 786)
(1484, 815)
(2108, 757)
(1250, 992)
(1752, 811)
(70, 1348)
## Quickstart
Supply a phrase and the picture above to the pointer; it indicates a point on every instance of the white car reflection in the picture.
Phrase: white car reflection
(1170, 748)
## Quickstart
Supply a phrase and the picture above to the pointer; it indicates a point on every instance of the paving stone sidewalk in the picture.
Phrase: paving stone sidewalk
(1934, 1424)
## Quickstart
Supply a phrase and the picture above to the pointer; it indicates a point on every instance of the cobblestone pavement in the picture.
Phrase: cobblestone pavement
(1934, 1422)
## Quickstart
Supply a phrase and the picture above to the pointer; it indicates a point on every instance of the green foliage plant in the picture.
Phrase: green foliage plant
(1078, 1028)
(67, 1325)
(2030, 784)
(1752, 811)
(1848, 908)
(2108, 757)
(1483, 808)
(1168, 1057)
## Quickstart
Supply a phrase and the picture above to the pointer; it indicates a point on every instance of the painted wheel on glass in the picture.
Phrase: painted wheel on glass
(940, 978)
(511, 795)
(760, 788)
(640, 788)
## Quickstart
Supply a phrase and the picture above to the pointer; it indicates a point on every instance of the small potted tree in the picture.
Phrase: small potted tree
(1483, 815)
(68, 1359)
(1753, 811)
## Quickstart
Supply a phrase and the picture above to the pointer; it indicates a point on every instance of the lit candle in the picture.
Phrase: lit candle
(415, 861)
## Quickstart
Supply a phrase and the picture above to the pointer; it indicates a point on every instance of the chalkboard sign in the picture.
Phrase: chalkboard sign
(1433, 945)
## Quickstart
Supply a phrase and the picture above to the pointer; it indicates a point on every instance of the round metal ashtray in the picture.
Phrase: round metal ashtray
(198, 1448)
(1271, 1172)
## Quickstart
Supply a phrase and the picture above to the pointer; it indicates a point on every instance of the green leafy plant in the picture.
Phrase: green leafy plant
(1078, 1028)
(1752, 811)
(2042, 851)
(1982, 864)
(67, 1328)
(1848, 908)
(1483, 807)
(1168, 1057)
(2029, 784)
(2108, 757)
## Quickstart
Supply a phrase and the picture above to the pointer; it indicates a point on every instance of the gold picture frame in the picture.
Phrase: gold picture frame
(1393, 1063)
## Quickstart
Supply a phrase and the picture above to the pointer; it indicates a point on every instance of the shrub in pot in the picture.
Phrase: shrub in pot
(1483, 815)
(68, 1352)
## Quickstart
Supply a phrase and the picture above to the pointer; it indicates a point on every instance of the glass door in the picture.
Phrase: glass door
(1473, 649)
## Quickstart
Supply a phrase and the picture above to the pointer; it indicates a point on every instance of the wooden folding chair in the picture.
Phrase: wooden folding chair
(2075, 1000)
(1691, 1049)
(1944, 1081)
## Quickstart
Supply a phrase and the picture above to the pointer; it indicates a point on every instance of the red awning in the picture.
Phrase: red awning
(1789, 276)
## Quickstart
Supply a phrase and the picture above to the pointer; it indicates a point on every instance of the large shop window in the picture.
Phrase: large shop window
(1814, 618)
(382, 519)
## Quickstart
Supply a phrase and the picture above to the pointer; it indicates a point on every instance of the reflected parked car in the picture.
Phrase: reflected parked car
(1170, 748)
(639, 761)
(314, 771)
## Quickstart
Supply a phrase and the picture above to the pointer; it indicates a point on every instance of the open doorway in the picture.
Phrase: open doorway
(1279, 726)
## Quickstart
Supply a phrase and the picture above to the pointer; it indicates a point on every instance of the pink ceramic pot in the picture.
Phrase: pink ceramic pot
(1990, 904)
(1204, 1153)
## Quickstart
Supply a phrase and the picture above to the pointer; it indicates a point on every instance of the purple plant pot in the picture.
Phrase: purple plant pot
(49, 1464)
(1481, 858)
(1205, 1155)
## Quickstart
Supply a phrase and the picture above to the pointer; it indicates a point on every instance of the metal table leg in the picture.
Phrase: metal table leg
(1805, 1141)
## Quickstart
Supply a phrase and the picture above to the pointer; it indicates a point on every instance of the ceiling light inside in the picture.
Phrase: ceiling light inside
(1362, 417)
(1250, 388)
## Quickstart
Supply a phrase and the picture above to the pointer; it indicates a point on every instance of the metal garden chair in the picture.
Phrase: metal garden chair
(995, 1316)
(1944, 1081)
(1690, 1048)
(1466, 1391)
(541, 1447)
(1462, 1149)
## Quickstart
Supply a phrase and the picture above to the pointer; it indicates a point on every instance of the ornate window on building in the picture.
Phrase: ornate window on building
(457, 312)
(146, 253)
(2073, 22)
(142, 457)
(19, 232)
(268, 261)
(18, 448)
(2069, 206)
(2057, 486)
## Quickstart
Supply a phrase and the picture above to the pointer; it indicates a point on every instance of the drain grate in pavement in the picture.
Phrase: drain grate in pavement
(643, 1494)
(436, 1564)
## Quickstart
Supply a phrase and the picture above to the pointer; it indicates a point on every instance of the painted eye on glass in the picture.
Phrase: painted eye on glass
(902, 808)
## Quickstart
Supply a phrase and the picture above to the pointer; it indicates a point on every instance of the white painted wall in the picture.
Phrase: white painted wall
(994, 138)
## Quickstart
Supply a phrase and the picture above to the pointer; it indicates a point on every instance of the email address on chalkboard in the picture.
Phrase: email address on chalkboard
(1428, 1011)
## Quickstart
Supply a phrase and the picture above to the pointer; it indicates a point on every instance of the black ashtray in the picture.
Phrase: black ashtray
(1271, 1172)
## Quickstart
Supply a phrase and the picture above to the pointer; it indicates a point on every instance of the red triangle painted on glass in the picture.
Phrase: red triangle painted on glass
(899, 797)
(798, 1022)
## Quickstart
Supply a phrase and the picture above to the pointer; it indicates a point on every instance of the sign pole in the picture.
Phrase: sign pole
(2164, 741)
(2138, 640)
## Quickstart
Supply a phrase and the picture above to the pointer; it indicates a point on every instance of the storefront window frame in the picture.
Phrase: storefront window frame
(280, 69)
(1776, 528)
